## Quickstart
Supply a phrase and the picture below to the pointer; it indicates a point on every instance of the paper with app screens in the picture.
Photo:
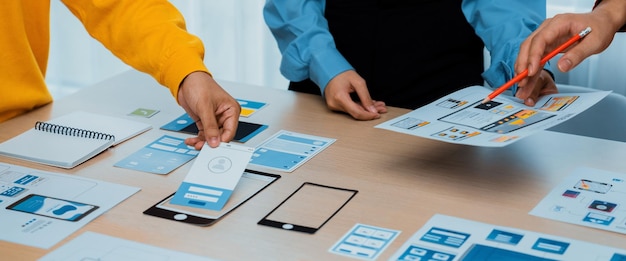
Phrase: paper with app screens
(249, 107)
(588, 197)
(365, 242)
(451, 238)
(287, 150)
(161, 156)
(462, 118)
(213, 176)
(41, 208)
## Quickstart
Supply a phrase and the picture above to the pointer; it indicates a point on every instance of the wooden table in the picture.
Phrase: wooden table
(402, 180)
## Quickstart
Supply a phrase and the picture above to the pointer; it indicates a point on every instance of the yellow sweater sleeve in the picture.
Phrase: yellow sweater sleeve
(149, 35)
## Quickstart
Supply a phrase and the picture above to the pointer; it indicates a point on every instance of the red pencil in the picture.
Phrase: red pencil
(545, 59)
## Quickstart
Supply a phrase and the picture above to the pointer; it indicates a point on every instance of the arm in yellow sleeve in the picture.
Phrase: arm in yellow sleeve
(149, 35)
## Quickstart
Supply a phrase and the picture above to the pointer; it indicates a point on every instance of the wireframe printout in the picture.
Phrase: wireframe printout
(462, 118)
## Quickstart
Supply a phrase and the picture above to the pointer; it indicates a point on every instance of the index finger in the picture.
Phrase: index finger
(209, 129)
(229, 122)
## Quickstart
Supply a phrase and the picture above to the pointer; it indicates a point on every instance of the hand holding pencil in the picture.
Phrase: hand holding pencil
(544, 60)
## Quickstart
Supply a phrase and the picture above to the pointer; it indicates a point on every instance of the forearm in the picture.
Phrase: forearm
(307, 47)
(149, 35)
(503, 26)
(614, 10)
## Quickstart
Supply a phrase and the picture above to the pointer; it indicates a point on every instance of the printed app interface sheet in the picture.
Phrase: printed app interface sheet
(588, 197)
(40, 208)
(462, 118)
(451, 238)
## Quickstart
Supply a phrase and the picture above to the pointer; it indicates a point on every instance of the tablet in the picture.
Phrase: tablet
(251, 183)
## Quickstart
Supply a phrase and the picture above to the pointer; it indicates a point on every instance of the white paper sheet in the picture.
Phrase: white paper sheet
(94, 246)
(61, 190)
(461, 118)
(213, 176)
(286, 150)
(588, 197)
(451, 238)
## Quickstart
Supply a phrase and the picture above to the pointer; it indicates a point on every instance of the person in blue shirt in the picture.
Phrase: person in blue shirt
(364, 55)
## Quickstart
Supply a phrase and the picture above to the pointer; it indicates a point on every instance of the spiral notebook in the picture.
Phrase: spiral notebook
(71, 139)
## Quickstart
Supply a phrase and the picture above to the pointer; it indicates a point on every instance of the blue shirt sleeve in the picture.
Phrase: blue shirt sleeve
(304, 40)
(503, 26)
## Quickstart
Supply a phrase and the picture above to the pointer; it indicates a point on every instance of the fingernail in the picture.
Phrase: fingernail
(530, 102)
(371, 108)
(214, 141)
(564, 65)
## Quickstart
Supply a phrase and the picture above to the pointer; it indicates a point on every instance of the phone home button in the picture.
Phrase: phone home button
(287, 226)
(180, 216)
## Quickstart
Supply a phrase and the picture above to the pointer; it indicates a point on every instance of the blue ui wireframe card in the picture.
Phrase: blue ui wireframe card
(213, 176)
(160, 157)
(286, 150)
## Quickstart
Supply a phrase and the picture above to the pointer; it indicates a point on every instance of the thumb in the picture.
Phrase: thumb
(574, 56)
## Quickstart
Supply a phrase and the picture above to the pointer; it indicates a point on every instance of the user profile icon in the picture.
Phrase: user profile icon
(219, 164)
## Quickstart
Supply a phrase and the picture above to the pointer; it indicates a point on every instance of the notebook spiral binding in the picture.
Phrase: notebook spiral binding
(64, 130)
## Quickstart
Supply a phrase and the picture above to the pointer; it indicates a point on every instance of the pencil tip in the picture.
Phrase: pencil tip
(486, 100)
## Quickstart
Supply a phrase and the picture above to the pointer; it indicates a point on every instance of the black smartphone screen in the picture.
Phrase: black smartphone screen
(308, 208)
(52, 207)
(251, 183)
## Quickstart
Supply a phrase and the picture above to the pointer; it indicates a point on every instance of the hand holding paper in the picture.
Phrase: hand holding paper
(213, 176)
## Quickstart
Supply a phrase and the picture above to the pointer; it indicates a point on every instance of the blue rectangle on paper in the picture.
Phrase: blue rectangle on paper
(200, 196)
(421, 253)
(179, 123)
(302, 140)
(26, 179)
(285, 151)
(250, 104)
(504, 237)
(11, 192)
(276, 159)
(445, 237)
(488, 253)
(598, 219)
(550, 246)
(160, 157)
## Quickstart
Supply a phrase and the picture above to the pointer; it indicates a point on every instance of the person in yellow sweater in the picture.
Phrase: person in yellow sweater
(149, 35)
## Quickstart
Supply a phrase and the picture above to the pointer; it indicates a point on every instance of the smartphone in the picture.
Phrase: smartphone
(308, 208)
(53, 207)
(251, 183)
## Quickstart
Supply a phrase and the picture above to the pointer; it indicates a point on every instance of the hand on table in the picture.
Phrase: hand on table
(337, 94)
